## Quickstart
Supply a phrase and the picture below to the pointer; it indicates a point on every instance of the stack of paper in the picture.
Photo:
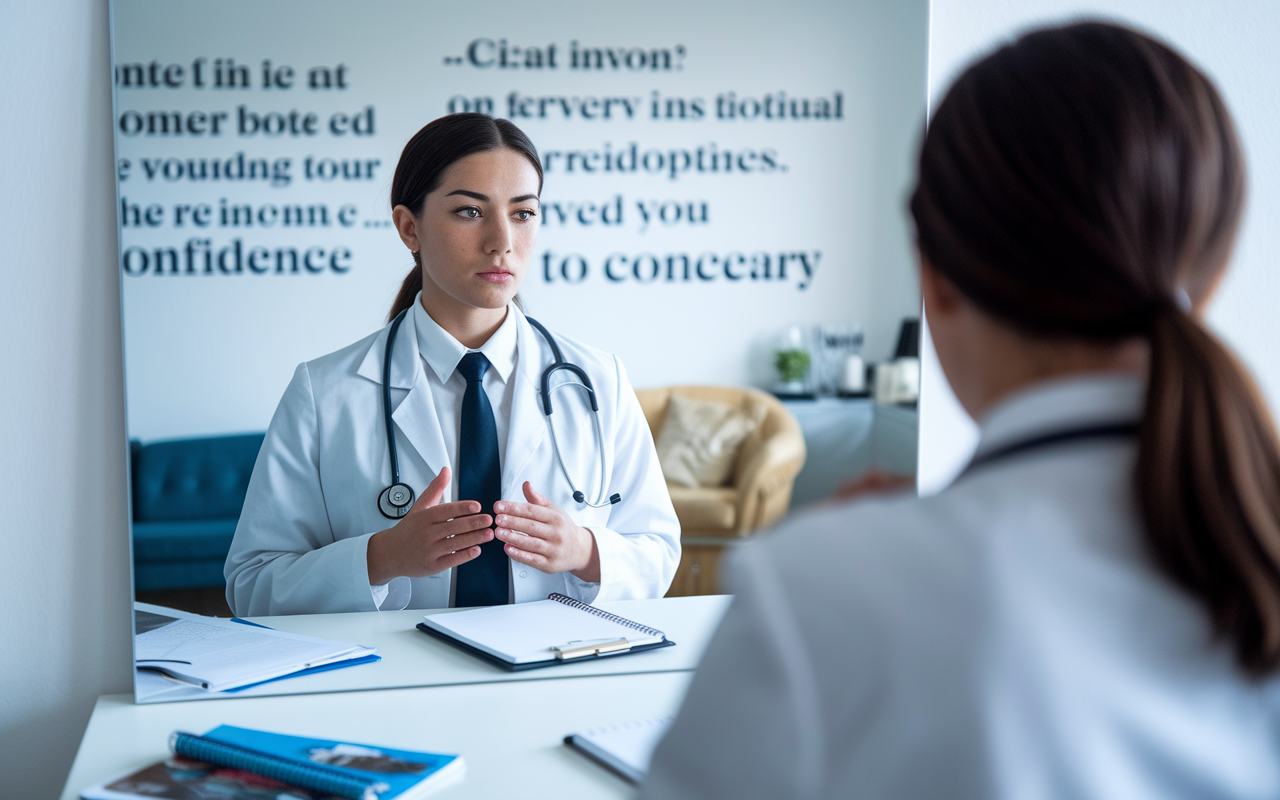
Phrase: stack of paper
(220, 654)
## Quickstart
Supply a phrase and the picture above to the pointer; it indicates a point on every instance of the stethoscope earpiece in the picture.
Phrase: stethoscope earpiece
(581, 498)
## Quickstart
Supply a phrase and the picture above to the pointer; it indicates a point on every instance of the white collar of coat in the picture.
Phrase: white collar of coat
(442, 352)
(1063, 404)
(405, 358)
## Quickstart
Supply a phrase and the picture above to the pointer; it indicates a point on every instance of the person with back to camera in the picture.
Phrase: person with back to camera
(463, 455)
(1092, 610)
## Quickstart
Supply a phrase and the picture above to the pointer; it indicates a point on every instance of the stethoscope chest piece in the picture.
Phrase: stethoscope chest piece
(395, 501)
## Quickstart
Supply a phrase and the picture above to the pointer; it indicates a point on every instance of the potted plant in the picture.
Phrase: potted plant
(793, 367)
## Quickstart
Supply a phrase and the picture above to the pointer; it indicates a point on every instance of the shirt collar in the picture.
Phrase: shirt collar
(442, 352)
(1063, 404)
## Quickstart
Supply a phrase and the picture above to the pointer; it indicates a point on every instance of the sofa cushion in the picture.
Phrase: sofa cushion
(193, 540)
(193, 479)
(187, 575)
(712, 509)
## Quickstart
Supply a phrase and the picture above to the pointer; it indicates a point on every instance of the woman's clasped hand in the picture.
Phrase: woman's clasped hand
(540, 534)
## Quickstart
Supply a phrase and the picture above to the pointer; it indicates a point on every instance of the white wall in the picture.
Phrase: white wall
(1234, 43)
(208, 351)
(64, 574)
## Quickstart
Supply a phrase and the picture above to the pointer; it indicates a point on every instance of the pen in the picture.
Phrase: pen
(590, 647)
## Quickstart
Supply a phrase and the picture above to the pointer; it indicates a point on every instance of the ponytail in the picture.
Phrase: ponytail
(1072, 184)
(408, 289)
(1208, 486)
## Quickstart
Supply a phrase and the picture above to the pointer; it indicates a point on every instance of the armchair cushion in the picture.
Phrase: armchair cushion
(705, 509)
(765, 468)
(700, 439)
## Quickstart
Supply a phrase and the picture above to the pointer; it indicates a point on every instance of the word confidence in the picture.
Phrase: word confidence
(648, 268)
(199, 257)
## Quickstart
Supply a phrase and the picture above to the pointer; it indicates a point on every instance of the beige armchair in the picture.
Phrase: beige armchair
(760, 491)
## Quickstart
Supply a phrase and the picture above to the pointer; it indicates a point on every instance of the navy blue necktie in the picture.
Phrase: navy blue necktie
(482, 581)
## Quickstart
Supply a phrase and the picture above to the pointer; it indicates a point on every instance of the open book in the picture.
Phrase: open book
(551, 631)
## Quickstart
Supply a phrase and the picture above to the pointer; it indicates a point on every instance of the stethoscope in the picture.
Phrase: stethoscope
(396, 500)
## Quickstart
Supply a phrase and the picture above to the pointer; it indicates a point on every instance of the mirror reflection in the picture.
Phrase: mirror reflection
(426, 311)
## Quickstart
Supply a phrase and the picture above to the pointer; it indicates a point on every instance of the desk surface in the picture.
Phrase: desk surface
(411, 658)
(509, 733)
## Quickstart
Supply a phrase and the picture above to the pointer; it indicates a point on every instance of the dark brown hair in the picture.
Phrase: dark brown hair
(434, 149)
(1086, 181)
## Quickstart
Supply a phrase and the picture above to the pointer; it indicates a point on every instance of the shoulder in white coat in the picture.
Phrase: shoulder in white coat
(1007, 638)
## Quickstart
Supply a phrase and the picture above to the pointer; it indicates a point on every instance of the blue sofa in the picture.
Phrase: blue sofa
(187, 496)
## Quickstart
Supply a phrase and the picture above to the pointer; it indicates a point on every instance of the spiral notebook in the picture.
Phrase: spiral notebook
(230, 762)
(543, 633)
(625, 749)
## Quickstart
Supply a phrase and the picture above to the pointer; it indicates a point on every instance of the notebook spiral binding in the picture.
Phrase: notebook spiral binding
(306, 776)
(602, 614)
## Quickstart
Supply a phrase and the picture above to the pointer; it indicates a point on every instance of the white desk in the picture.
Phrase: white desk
(411, 658)
(509, 733)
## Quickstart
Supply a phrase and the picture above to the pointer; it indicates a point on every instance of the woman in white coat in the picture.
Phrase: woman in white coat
(1093, 608)
(499, 516)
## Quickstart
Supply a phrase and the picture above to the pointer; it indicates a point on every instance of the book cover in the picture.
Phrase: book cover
(178, 778)
(396, 774)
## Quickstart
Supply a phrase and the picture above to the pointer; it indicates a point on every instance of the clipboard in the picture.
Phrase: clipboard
(552, 662)
(512, 636)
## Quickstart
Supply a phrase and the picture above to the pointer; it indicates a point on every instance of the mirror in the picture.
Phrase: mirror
(724, 201)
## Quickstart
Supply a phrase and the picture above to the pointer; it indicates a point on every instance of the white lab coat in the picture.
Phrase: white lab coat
(311, 505)
(1008, 638)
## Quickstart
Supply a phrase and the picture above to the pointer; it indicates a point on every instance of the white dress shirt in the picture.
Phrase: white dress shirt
(441, 354)
(1007, 638)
